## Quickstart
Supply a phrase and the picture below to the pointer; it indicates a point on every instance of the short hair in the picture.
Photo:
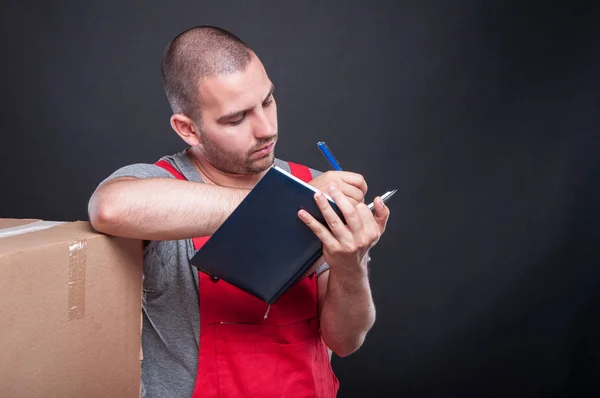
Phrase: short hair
(197, 53)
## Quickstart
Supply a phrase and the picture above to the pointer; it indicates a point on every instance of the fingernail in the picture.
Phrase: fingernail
(332, 188)
(319, 194)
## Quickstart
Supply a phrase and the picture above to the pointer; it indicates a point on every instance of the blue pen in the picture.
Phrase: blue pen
(329, 156)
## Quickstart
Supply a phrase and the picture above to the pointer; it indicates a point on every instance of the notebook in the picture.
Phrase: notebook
(263, 247)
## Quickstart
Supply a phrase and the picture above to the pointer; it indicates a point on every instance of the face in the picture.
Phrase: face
(239, 120)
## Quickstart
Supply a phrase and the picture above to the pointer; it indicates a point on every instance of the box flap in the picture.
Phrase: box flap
(23, 235)
(15, 222)
(26, 228)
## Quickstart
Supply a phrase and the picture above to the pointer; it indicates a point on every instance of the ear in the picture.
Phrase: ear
(186, 128)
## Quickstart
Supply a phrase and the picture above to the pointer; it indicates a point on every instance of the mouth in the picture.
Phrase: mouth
(265, 150)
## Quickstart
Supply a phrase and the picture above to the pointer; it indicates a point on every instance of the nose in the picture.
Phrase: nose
(263, 126)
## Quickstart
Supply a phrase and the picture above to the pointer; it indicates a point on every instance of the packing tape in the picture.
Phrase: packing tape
(26, 228)
(77, 279)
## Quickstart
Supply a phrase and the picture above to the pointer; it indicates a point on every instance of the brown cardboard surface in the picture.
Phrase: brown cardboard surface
(70, 313)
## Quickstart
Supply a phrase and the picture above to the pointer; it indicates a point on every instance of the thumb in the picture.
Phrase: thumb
(382, 213)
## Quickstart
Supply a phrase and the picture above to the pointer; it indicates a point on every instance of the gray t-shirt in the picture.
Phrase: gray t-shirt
(171, 328)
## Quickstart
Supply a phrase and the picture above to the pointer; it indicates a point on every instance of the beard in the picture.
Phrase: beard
(235, 163)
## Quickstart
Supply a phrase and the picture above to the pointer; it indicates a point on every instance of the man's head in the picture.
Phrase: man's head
(222, 99)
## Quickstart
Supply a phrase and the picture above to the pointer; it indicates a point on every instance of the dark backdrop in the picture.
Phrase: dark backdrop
(483, 114)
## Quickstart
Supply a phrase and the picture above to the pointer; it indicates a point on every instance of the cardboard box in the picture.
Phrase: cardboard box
(70, 311)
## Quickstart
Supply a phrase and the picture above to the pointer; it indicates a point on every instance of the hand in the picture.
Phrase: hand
(347, 245)
(352, 185)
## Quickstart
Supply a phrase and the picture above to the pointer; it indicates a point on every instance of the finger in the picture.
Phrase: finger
(382, 213)
(370, 233)
(352, 192)
(348, 210)
(318, 229)
(356, 180)
(337, 227)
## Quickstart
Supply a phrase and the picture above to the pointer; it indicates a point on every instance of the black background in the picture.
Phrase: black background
(484, 115)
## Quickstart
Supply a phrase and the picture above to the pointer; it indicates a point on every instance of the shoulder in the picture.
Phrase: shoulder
(138, 170)
(284, 164)
(142, 170)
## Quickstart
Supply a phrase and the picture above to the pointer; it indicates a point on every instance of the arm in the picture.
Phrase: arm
(346, 307)
(161, 208)
(346, 310)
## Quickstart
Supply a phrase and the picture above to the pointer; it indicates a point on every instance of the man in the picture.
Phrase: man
(203, 337)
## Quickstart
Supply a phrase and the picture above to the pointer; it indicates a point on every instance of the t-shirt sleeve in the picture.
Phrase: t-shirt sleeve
(322, 268)
(139, 170)
(315, 173)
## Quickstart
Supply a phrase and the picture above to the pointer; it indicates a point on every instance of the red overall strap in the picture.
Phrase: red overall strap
(167, 166)
(300, 171)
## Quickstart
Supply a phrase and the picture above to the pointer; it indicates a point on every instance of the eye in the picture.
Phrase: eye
(268, 102)
(238, 121)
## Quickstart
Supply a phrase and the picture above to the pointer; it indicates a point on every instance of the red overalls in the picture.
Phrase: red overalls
(242, 354)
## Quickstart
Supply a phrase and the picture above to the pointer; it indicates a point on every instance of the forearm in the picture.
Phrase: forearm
(348, 311)
(161, 208)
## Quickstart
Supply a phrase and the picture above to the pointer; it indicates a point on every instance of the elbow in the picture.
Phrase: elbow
(348, 347)
(103, 212)
(347, 344)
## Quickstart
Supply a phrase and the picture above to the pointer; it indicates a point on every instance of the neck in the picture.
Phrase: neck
(214, 176)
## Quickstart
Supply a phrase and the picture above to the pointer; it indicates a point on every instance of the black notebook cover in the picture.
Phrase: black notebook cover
(263, 247)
